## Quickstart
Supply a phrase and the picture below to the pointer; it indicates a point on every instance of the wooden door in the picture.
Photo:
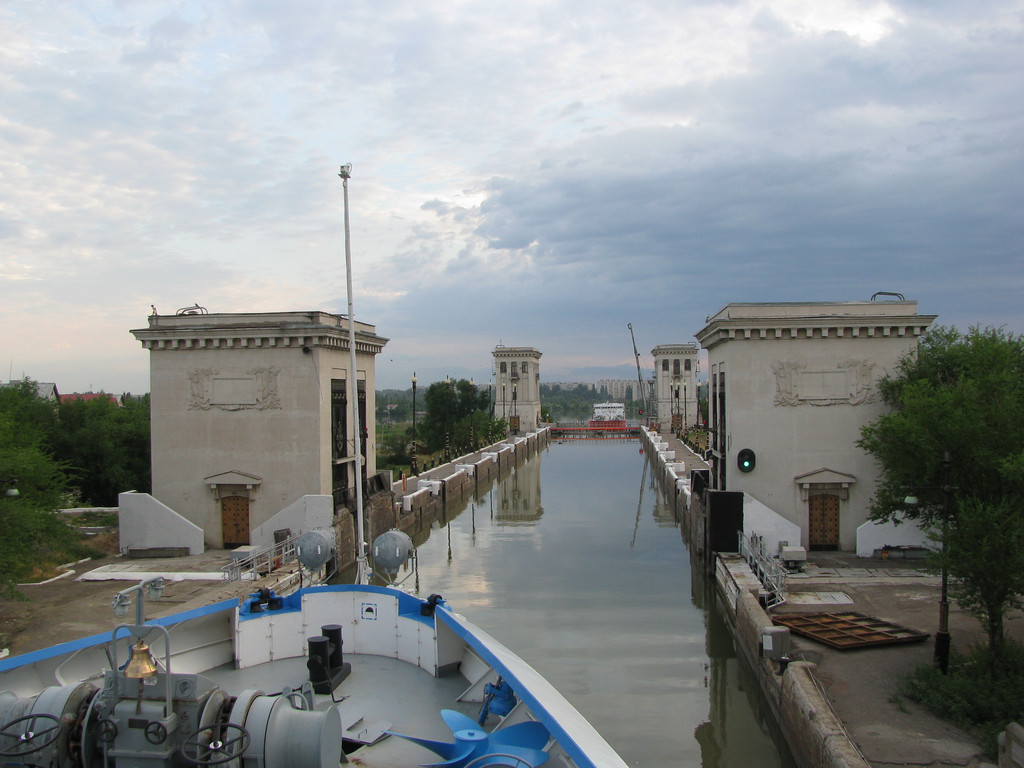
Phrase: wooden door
(823, 522)
(234, 518)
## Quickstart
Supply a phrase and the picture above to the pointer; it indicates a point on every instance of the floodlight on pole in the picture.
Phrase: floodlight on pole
(362, 572)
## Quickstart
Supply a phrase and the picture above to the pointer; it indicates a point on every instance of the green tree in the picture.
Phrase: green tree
(31, 531)
(106, 446)
(985, 558)
(457, 411)
(962, 394)
(27, 422)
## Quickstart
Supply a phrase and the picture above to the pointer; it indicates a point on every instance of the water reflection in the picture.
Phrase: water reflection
(519, 495)
(595, 589)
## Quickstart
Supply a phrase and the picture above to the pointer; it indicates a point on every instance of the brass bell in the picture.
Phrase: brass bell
(141, 663)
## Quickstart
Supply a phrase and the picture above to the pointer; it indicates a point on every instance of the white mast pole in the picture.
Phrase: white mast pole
(362, 575)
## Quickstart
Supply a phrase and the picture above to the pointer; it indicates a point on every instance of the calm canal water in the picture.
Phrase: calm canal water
(576, 563)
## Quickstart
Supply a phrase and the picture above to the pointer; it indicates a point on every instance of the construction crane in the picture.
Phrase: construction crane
(639, 376)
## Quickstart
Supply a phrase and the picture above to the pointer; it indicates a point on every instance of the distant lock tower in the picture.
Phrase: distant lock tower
(675, 385)
(517, 387)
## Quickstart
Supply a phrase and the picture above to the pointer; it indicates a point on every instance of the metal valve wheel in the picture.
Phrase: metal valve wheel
(107, 731)
(26, 740)
(199, 750)
(156, 732)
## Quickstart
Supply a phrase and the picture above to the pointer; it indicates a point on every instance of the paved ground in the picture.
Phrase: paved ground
(861, 684)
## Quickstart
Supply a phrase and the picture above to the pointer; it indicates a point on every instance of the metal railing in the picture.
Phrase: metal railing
(769, 570)
(261, 562)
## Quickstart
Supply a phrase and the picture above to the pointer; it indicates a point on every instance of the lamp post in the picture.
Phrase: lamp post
(942, 637)
(515, 410)
(447, 409)
(684, 407)
(675, 408)
(412, 462)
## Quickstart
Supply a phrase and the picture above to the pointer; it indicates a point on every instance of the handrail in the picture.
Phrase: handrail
(769, 570)
(261, 561)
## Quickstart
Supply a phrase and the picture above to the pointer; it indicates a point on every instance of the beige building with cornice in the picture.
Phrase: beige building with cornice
(793, 383)
(249, 413)
(675, 385)
(517, 387)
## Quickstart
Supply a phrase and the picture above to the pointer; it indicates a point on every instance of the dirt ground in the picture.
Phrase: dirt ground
(67, 609)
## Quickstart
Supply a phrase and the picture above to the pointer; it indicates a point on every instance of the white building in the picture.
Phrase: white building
(790, 386)
(675, 385)
(249, 413)
(517, 387)
(620, 389)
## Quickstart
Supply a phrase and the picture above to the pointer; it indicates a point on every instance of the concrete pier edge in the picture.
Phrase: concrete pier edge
(814, 732)
(816, 736)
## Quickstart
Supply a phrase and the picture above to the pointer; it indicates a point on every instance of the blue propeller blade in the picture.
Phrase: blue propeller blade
(508, 746)
(456, 721)
(530, 734)
(448, 750)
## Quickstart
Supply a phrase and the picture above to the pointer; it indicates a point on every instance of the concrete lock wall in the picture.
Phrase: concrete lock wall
(413, 503)
(815, 734)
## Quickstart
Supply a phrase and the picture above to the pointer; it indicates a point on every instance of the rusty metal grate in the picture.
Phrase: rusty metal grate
(848, 629)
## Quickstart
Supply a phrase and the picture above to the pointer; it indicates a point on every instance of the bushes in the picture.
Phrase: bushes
(979, 697)
(33, 543)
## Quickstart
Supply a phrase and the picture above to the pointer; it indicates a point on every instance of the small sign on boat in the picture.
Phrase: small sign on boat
(368, 612)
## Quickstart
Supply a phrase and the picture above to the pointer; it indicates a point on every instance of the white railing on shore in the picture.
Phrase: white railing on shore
(769, 570)
(261, 562)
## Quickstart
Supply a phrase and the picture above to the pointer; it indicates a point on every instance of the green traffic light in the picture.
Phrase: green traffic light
(745, 460)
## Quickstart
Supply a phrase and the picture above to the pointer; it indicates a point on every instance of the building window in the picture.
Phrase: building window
(504, 367)
(526, 367)
(664, 365)
(686, 364)
(675, 367)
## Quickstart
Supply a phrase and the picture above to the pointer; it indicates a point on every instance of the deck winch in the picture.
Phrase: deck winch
(126, 724)
(146, 716)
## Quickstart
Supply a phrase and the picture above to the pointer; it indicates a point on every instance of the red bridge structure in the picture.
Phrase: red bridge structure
(618, 431)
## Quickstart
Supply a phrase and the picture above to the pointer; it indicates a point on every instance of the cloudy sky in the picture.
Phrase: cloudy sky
(528, 173)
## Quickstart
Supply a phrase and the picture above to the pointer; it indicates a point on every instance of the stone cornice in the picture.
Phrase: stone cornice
(689, 348)
(271, 330)
(517, 352)
(776, 328)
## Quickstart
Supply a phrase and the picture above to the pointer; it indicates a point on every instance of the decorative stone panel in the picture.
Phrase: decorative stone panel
(255, 390)
(850, 383)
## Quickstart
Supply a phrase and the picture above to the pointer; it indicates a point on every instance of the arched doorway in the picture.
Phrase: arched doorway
(823, 522)
(234, 492)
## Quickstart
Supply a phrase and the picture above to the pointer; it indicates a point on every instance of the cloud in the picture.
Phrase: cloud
(540, 174)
